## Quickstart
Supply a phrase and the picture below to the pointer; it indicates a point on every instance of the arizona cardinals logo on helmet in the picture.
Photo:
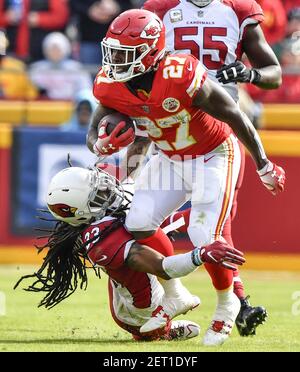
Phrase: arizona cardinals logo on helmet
(63, 210)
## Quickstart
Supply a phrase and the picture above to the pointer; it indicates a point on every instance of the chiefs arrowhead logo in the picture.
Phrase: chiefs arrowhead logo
(152, 30)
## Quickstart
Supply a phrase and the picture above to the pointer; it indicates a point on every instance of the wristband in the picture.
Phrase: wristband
(255, 76)
(196, 257)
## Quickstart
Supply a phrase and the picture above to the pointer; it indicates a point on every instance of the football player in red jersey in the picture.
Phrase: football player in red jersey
(194, 123)
(90, 205)
(218, 33)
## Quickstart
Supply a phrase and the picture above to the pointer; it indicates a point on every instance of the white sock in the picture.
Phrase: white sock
(180, 264)
(225, 296)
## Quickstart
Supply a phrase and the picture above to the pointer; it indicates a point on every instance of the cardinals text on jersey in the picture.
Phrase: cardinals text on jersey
(213, 34)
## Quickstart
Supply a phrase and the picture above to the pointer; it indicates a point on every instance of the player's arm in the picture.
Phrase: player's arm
(144, 259)
(265, 72)
(135, 156)
(214, 100)
(262, 58)
(92, 135)
(101, 143)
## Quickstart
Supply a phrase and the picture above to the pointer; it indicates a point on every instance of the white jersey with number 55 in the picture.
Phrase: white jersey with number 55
(213, 33)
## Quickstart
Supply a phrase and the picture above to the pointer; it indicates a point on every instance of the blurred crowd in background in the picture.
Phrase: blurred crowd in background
(50, 49)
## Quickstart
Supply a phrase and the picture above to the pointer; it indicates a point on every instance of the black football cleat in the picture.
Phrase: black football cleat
(249, 318)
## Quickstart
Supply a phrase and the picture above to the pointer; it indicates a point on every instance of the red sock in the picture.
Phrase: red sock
(159, 242)
(238, 286)
(176, 216)
(221, 278)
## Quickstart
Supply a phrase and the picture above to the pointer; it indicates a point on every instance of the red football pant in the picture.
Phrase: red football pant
(159, 242)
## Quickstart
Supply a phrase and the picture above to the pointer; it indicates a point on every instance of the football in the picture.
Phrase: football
(114, 119)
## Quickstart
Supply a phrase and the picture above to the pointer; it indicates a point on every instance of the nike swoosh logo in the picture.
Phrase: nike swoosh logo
(206, 160)
(211, 256)
(102, 258)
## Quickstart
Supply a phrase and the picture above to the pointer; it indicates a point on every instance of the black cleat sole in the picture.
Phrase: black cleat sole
(249, 319)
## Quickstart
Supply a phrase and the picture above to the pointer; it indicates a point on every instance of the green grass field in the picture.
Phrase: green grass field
(83, 322)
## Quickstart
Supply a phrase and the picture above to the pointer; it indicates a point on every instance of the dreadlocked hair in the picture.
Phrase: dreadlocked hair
(64, 267)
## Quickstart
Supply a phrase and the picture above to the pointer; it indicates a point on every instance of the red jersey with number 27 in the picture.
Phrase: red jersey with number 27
(167, 114)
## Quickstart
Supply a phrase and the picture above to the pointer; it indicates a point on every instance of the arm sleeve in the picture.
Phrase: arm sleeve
(248, 10)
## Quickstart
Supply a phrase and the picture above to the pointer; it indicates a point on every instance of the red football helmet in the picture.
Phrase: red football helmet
(134, 43)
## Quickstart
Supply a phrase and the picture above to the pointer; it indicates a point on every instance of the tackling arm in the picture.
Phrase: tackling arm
(144, 259)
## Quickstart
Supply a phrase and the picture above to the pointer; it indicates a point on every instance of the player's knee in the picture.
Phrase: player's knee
(140, 220)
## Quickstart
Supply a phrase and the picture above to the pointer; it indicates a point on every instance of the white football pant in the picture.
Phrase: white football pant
(208, 181)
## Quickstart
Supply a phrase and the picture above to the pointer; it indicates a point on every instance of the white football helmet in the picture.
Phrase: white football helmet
(76, 195)
(200, 3)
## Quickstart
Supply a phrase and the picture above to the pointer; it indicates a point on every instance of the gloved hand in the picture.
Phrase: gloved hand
(273, 177)
(219, 253)
(109, 144)
(237, 72)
